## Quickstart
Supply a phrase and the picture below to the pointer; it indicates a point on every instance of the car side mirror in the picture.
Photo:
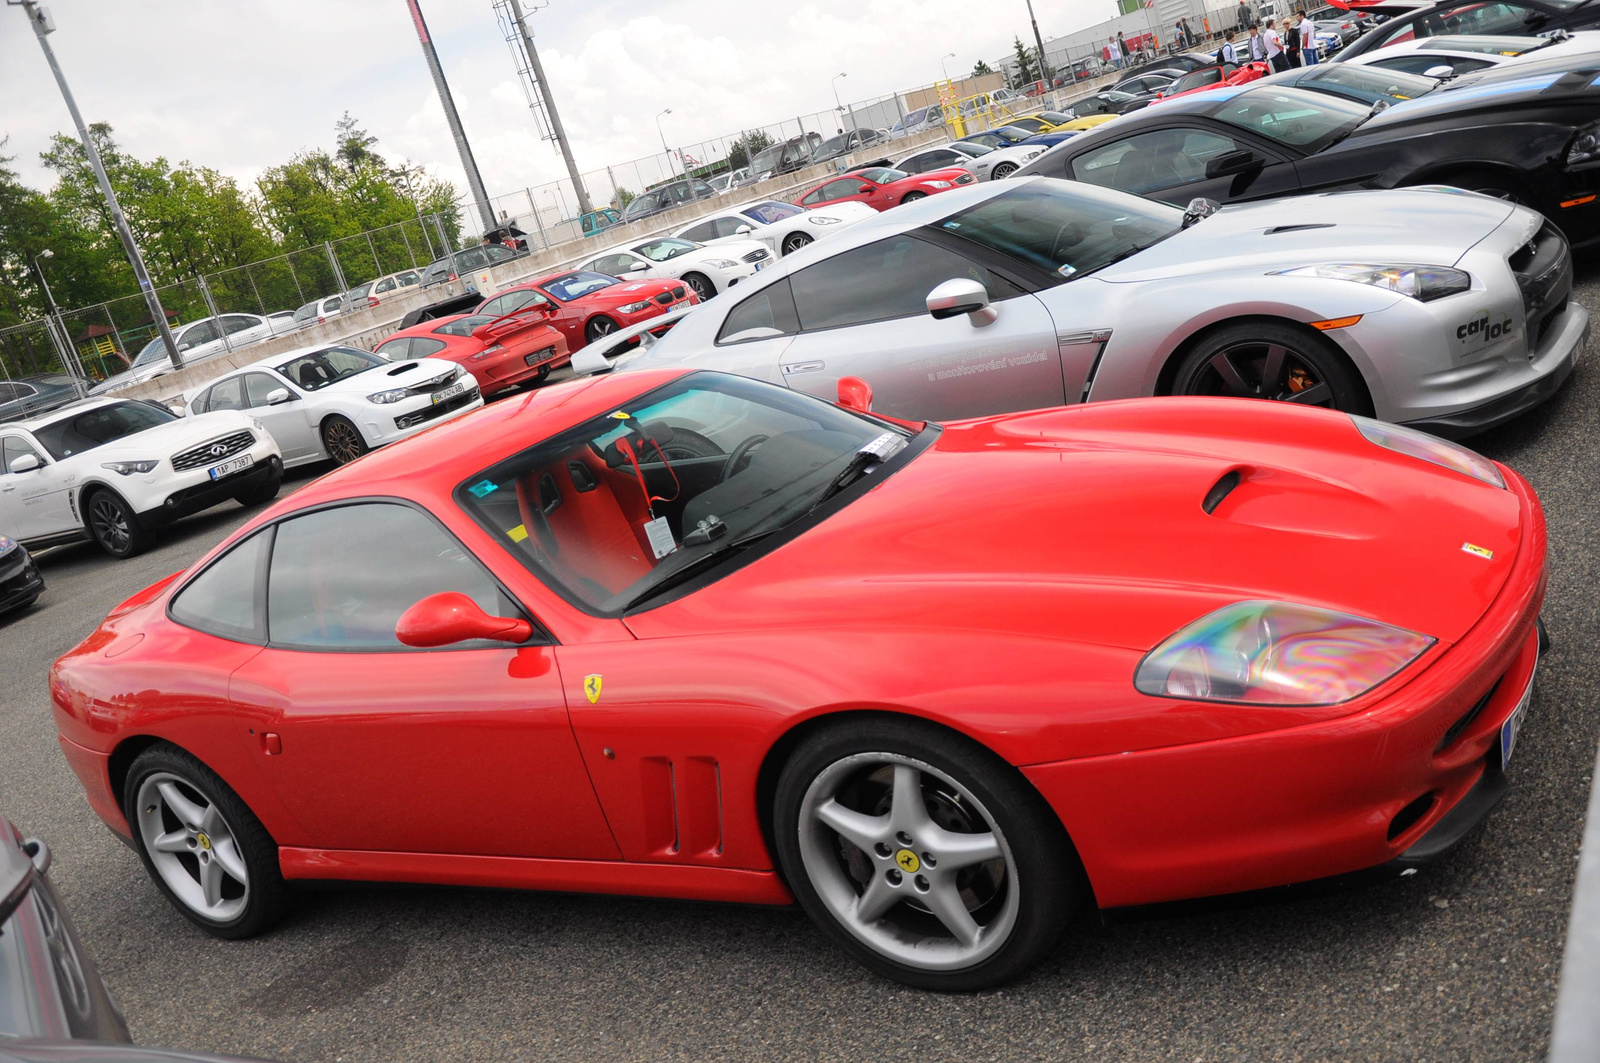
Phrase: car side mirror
(1233, 162)
(278, 396)
(451, 617)
(638, 267)
(855, 394)
(1442, 71)
(743, 230)
(962, 295)
(25, 463)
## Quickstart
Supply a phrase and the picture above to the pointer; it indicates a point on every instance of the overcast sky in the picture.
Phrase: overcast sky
(241, 85)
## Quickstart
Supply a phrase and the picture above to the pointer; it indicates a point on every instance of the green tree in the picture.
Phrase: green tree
(355, 144)
(981, 68)
(747, 147)
(1027, 63)
(623, 198)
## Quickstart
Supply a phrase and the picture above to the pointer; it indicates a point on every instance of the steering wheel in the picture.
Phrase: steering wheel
(739, 453)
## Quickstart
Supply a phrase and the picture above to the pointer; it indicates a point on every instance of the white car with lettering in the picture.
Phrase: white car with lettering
(339, 402)
(116, 470)
(783, 227)
(708, 270)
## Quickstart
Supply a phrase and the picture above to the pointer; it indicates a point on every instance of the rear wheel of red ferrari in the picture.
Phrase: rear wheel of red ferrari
(922, 854)
(202, 845)
(1272, 360)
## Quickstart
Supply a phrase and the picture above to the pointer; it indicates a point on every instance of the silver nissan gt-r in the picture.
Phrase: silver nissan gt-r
(1442, 309)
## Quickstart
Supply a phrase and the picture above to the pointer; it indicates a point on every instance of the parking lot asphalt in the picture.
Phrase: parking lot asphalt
(1456, 963)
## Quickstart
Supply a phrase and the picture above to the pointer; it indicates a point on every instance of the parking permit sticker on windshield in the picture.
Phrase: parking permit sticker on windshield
(659, 532)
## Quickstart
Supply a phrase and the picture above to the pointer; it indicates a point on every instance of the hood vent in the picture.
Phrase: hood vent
(1220, 490)
(1276, 229)
(403, 367)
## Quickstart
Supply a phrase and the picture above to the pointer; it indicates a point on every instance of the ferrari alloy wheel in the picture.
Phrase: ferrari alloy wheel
(1004, 170)
(600, 326)
(922, 854)
(1271, 361)
(343, 440)
(794, 242)
(703, 288)
(114, 524)
(206, 851)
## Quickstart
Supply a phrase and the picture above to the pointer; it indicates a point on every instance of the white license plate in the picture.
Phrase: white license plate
(458, 388)
(228, 468)
(761, 265)
(1513, 724)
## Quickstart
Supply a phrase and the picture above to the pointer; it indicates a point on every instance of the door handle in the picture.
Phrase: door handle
(8, 488)
(802, 367)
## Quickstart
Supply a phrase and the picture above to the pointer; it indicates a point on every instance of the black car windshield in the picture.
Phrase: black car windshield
(318, 369)
(662, 250)
(87, 429)
(770, 213)
(1066, 227)
(610, 510)
(577, 284)
(1367, 84)
(1296, 117)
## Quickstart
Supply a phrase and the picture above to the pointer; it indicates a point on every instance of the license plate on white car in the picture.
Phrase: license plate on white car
(228, 468)
(458, 388)
(1513, 725)
(760, 266)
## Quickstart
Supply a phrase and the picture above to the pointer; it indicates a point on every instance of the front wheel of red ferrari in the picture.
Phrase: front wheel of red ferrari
(922, 854)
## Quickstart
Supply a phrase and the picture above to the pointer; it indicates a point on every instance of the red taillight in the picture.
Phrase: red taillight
(452, 276)
(372, 301)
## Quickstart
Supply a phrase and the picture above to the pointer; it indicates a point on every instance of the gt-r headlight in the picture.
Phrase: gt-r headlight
(1422, 283)
(383, 398)
(634, 308)
(818, 219)
(1440, 452)
(1277, 653)
(722, 263)
(7, 545)
(130, 468)
(1585, 146)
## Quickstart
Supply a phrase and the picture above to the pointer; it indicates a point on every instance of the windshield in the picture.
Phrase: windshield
(662, 250)
(306, 313)
(1368, 84)
(767, 160)
(360, 291)
(834, 145)
(318, 369)
(882, 175)
(968, 148)
(618, 505)
(80, 432)
(1296, 117)
(1011, 133)
(577, 284)
(771, 213)
(1066, 227)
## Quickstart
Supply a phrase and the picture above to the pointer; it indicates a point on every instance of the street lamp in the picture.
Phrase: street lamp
(55, 313)
(46, 253)
(946, 69)
(834, 84)
(667, 149)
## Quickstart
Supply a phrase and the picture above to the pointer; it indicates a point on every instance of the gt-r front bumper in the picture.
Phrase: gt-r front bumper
(1395, 784)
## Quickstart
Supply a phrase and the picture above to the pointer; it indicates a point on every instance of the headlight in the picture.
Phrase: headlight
(7, 545)
(940, 184)
(817, 219)
(721, 263)
(1277, 653)
(1585, 146)
(634, 308)
(1430, 448)
(1030, 156)
(1422, 283)
(129, 468)
(383, 398)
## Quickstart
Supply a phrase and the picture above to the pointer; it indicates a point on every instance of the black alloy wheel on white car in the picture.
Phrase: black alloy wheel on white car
(794, 242)
(114, 524)
(701, 285)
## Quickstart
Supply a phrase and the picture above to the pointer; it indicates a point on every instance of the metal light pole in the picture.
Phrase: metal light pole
(58, 335)
(942, 66)
(43, 26)
(558, 131)
(464, 149)
(668, 150)
(1044, 71)
(405, 181)
(834, 84)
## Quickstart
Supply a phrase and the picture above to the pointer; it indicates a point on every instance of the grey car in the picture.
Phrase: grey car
(1446, 310)
(31, 395)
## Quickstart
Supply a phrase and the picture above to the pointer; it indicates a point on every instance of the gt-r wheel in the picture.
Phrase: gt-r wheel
(794, 242)
(343, 440)
(600, 326)
(923, 855)
(114, 524)
(1004, 170)
(701, 284)
(203, 847)
(1268, 360)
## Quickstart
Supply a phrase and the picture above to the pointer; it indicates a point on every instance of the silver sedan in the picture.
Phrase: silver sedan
(1446, 310)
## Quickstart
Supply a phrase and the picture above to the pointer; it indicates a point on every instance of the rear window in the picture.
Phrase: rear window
(463, 326)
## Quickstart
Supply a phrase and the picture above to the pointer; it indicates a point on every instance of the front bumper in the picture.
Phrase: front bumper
(382, 425)
(20, 580)
(207, 493)
(1313, 802)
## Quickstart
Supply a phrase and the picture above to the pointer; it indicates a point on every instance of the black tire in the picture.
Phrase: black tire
(1304, 367)
(1001, 172)
(701, 284)
(912, 197)
(114, 524)
(1049, 883)
(597, 327)
(269, 897)
(263, 494)
(343, 440)
(794, 242)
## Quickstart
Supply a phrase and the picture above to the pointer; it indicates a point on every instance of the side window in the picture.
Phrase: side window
(845, 186)
(204, 332)
(729, 227)
(613, 265)
(917, 163)
(421, 347)
(257, 386)
(332, 585)
(816, 195)
(232, 323)
(12, 448)
(769, 312)
(225, 599)
(701, 232)
(879, 282)
(385, 285)
(1149, 162)
(408, 278)
(201, 403)
(227, 395)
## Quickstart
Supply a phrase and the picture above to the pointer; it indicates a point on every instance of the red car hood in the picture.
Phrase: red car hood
(1086, 524)
(625, 293)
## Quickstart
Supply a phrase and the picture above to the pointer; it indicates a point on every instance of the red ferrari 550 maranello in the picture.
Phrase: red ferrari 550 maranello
(694, 635)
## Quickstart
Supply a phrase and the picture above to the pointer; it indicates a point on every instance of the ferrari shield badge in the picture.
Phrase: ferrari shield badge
(1478, 551)
(591, 687)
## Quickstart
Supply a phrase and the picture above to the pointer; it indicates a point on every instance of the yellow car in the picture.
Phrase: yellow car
(1056, 122)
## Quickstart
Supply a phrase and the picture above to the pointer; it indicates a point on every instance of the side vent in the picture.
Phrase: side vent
(1276, 229)
(1220, 490)
(683, 806)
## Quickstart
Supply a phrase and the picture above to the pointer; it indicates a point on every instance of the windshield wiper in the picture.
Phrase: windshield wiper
(1129, 252)
(690, 569)
(876, 452)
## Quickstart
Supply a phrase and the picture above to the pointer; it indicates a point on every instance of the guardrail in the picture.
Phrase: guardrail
(1575, 1037)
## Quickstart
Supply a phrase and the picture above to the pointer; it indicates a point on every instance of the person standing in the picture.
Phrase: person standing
(1308, 39)
(1227, 53)
(1258, 47)
(1275, 53)
(1110, 55)
(1245, 19)
(1291, 43)
(1122, 46)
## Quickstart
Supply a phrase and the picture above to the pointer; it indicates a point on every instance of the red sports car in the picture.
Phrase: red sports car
(880, 187)
(693, 635)
(1212, 77)
(588, 305)
(500, 352)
